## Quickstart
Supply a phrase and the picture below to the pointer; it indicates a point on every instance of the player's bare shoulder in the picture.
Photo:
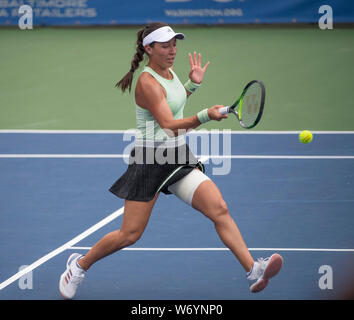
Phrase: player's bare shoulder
(147, 90)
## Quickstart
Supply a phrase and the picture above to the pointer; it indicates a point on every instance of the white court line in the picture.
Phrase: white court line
(213, 131)
(277, 157)
(63, 156)
(224, 249)
(64, 247)
(115, 156)
(67, 131)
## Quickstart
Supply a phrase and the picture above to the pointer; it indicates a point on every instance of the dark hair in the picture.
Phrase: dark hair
(126, 81)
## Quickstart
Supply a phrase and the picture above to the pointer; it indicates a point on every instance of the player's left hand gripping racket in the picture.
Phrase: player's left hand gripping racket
(248, 108)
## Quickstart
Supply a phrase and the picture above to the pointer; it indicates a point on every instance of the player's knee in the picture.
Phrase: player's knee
(221, 210)
(131, 237)
(134, 237)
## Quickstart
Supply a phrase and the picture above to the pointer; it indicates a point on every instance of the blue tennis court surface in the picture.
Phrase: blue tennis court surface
(286, 197)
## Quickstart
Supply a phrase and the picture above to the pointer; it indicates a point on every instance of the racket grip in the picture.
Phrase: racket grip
(224, 110)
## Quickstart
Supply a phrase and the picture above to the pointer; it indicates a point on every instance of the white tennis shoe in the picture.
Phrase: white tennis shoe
(72, 277)
(263, 270)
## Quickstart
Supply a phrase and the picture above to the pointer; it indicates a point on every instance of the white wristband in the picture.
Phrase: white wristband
(191, 86)
(203, 116)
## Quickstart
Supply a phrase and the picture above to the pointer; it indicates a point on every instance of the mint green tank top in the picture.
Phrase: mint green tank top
(148, 129)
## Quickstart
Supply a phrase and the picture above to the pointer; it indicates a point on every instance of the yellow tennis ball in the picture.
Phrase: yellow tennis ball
(305, 136)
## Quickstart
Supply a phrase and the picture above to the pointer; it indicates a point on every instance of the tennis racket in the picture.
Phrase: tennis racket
(248, 109)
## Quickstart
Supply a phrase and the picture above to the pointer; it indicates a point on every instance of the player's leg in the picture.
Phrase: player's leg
(135, 218)
(197, 190)
(208, 200)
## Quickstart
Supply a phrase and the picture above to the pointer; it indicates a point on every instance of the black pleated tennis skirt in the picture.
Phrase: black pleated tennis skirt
(152, 170)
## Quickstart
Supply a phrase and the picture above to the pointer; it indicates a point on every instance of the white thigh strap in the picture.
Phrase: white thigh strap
(185, 188)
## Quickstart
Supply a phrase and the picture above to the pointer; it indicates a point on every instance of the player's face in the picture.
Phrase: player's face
(164, 53)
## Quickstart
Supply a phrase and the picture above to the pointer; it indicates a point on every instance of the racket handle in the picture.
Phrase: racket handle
(224, 110)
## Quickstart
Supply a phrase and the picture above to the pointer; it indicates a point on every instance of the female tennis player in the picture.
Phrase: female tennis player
(162, 162)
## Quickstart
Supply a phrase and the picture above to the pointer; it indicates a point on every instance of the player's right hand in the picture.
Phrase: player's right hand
(214, 114)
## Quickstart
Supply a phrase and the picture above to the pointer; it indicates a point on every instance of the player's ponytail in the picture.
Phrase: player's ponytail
(126, 81)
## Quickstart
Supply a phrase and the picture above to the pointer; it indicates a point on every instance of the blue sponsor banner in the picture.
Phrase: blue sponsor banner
(128, 12)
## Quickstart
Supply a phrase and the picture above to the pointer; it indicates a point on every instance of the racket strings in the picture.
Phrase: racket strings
(251, 105)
